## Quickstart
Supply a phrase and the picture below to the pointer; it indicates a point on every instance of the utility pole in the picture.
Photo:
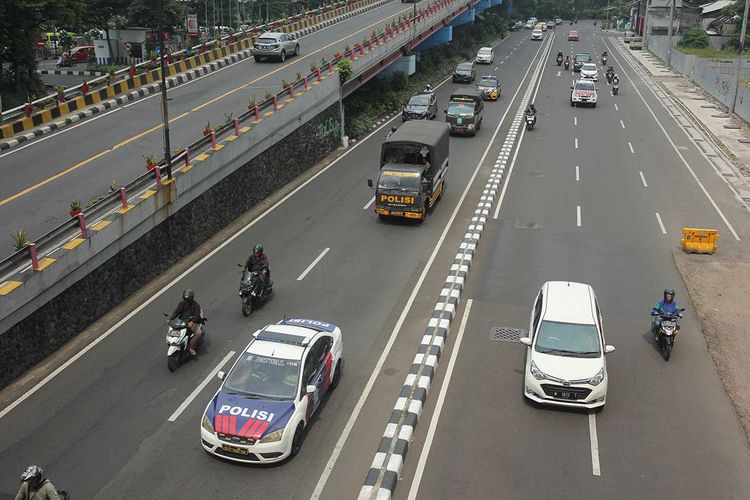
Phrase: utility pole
(669, 37)
(743, 32)
(164, 109)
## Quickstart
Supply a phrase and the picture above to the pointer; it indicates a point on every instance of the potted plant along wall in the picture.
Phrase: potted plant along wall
(207, 129)
(151, 162)
(75, 208)
(19, 239)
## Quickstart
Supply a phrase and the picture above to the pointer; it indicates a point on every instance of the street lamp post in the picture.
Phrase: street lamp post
(164, 108)
(739, 55)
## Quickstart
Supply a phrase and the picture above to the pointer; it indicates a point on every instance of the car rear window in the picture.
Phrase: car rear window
(583, 57)
(589, 67)
(266, 40)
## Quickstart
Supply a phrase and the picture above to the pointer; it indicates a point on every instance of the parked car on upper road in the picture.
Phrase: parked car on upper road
(276, 45)
(81, 53)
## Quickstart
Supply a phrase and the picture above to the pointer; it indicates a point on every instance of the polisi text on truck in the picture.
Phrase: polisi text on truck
(389, 198)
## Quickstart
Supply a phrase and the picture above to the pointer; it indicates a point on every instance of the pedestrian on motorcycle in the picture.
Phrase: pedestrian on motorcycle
(258, 263)
(189, 311)
(35, 486)
(390, 133)
(665, 306)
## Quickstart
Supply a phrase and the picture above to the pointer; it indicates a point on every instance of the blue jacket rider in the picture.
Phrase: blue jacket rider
(667, 306)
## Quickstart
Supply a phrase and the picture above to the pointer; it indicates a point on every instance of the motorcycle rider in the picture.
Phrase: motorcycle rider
(615, 79)
(258, 263)
(390, 133)
(35, 486)
(604, 57)
(559, 57)
(665, 306)
(567, 62)
(427, 88)
(190, 311)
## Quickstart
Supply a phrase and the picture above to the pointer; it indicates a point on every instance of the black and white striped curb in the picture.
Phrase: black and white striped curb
(386, 466)
(69, 72)
(338, 19)
(133, 95)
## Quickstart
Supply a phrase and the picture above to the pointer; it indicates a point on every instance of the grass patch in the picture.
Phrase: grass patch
(709, 52)
(385, 95)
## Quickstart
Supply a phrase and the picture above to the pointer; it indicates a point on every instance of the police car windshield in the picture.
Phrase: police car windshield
(487, 82)
(402, 181)
(568, 339)
(263, 377)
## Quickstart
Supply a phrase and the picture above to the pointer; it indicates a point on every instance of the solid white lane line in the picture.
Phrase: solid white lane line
(661, 224)
(346, 431)
(439, 406)
(312, 264)
(200, 387)
(369, 203)
(575, 120)
(643, 179)
(622, 124)
(578, 215)
(578, 174)
(616, 108)
(677, 149)
(630, 145)
(594, 445)
(576, 142)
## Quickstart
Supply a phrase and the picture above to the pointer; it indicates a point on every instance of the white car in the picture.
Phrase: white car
(485, 56)
(268, 397)
(565, 359)
(583, 92)
(590, 71)
(536, 34)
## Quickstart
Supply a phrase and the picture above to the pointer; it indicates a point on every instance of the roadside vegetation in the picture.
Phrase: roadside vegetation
(387, 94)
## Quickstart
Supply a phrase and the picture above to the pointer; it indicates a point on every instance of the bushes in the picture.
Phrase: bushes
(399, 81)
(694, 38)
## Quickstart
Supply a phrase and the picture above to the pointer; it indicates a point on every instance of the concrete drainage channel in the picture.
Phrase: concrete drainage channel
(388, 462)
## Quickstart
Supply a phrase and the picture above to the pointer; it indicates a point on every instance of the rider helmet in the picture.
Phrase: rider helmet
(669, 295)
(188, 295)
(33, 474)
(258, 249)
(393, 129)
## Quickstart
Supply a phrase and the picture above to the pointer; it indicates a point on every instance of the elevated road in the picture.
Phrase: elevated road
(79, 162)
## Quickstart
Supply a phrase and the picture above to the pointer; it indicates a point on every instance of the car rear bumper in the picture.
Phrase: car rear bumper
(267, 52)
(406, 212)
(258, 453)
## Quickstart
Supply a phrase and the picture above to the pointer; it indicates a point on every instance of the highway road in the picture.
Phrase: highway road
(42, 177)
(101, 426)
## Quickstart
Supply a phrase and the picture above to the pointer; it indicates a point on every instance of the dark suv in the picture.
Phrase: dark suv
(464, 72)
(580, 59)
(421, 106)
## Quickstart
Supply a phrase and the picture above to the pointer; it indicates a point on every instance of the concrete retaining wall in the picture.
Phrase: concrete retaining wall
(137, 245)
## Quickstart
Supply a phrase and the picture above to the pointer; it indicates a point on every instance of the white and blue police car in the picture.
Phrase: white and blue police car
(267, 398)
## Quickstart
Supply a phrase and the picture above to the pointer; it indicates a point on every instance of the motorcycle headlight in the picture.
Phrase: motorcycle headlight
(536, 372)
(207, 424)
(597, 379)
(272, 437)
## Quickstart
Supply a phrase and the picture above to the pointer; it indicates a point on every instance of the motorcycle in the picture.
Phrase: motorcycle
(609, 76)
(178, 338)
(252, 292)
(604, 60)
(65, 61)
(567, 65)
(667, 333)
(559, 60)
(615, 89)
(530, 121)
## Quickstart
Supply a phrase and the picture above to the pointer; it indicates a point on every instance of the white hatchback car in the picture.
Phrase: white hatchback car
(590, 71)
(565, 359)
(537, 34)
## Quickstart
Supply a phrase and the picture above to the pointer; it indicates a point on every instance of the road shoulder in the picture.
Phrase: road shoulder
(718, 288)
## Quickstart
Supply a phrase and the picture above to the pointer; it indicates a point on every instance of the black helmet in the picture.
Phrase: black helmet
(669, 292)
(258, 248)
(188, 294)
(33, 473)
(394, 128)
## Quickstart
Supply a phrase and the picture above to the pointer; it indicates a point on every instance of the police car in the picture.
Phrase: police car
(267, 398)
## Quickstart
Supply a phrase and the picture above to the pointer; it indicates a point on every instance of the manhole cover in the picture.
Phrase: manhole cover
(505, 334)
(526, 224)
(538, 175)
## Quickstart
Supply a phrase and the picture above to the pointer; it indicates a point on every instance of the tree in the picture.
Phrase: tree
(100, 13)
(143, 13)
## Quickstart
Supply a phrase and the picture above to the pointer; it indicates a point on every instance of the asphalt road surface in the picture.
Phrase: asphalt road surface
(42, 177)
(101, 427)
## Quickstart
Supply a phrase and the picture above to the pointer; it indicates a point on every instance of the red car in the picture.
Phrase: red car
(573, 35)
(81, 53)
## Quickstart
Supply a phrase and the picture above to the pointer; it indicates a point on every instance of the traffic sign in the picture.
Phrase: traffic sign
(40, 44)
(128, 46)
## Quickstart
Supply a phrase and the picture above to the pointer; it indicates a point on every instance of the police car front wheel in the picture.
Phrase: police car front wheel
(297, 440)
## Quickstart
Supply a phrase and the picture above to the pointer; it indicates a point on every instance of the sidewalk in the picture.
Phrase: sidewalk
(718, 284)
